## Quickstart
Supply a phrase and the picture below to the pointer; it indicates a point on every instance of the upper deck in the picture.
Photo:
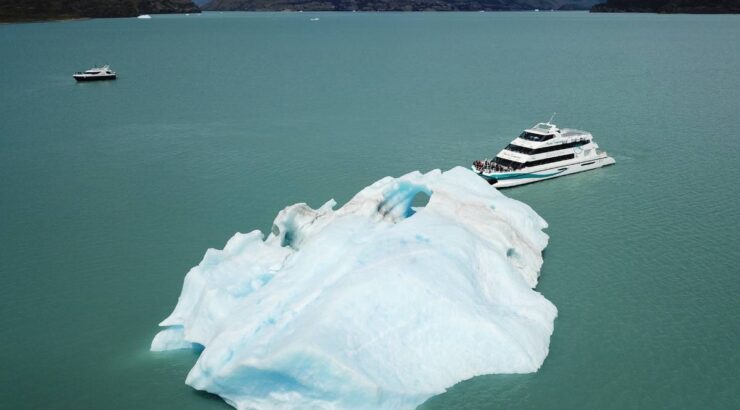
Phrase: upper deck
(546, 134)
(543, 128)
(574, 133)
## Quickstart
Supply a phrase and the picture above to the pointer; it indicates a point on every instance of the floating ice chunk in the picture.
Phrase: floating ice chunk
(374, 305)
(144, 16)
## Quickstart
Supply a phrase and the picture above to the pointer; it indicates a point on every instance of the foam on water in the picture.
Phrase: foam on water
(374, 305)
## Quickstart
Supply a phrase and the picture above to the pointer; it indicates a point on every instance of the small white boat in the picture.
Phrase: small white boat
(96, 74)
(144, 16)
(542, 152)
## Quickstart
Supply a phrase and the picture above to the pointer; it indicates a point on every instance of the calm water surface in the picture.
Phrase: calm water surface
(110, 192)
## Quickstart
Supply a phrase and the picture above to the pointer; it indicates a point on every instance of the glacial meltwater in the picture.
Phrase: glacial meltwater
(110, 192)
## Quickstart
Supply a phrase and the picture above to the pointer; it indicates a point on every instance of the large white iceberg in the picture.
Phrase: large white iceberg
(376, 305)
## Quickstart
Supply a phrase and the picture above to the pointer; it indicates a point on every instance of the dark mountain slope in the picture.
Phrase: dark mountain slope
(669, 6)
(397, 5)
(31, 10)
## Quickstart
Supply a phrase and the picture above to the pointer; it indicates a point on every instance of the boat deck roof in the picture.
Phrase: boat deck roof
(571, 132)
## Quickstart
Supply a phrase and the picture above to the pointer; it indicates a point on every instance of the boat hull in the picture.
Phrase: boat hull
(95, 78)
(510, 179)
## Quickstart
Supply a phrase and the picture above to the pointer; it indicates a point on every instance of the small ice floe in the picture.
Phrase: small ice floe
(315, 19)
(144, 16)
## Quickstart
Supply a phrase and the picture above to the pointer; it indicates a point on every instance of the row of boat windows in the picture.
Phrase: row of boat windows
(518, 165)
(535, 137)
(533, 151)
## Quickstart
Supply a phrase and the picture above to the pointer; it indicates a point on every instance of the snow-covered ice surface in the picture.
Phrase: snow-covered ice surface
(375, 305)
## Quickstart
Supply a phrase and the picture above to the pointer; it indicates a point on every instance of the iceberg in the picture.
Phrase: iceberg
(379, 304)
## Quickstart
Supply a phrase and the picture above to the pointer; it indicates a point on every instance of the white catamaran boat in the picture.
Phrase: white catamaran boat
(96, 74)
(542, 152)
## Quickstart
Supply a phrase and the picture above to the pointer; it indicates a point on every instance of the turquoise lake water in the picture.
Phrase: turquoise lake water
(110, 192)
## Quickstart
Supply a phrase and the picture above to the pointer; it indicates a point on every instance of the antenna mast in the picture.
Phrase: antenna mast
(551, 118)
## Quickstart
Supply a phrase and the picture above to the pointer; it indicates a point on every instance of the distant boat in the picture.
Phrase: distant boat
(96, 74)
(144, 16)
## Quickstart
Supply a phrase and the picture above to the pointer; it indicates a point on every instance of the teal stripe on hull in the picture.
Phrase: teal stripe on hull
(520, 176)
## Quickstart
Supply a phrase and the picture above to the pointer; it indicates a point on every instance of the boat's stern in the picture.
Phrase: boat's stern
(484, 170)
(479, 167)
(490, 178)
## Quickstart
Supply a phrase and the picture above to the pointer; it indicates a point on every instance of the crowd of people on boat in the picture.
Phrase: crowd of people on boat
(489, 165)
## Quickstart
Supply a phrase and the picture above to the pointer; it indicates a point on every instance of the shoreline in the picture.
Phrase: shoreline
(48, 20)
(663, 13)
(61, 19)
(73, 18)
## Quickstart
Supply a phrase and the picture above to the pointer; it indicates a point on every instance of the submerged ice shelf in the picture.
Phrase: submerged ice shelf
(374, 305)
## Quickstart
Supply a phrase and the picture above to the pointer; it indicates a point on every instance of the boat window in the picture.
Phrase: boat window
(507, 163)
(549, 160)
(535, 137)
(522, 150)
(534, 151)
